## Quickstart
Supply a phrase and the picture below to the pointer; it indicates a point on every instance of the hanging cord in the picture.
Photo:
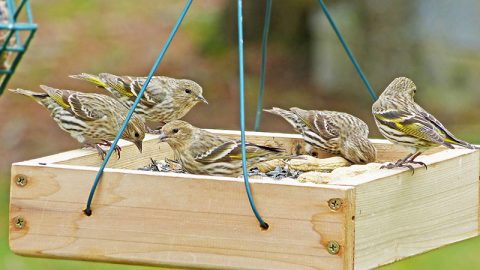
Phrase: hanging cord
(263, 224)
(88, 210)
(266, 27)
(348, 51)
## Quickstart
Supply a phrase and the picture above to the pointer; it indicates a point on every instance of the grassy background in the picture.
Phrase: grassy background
(124, 36)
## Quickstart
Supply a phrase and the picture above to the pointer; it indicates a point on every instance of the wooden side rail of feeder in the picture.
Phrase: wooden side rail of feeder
(192, 221)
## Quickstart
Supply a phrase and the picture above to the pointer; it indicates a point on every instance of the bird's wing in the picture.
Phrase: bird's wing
(448, 136)
(90, 107)
(318, 122)
(155, 92)
(289, 116)
(232, 150)
(58, 95)
(413, 124)
(120, 84)
(252, 150)
(323, 124)
(354, 124)
(219, 153)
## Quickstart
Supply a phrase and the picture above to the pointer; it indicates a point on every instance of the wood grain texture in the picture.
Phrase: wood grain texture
(403, 214)
(193, 221)
(184, 221)
(132, 159)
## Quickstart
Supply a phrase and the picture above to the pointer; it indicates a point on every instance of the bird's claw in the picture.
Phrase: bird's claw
(117, 148)
(100, 151)
(403, 164)
(418, 163)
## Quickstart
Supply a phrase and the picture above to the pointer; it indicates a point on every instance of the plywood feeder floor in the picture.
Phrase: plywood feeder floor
(355, 221)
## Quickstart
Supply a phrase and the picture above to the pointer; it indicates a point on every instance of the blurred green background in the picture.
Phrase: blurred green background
(436, 43)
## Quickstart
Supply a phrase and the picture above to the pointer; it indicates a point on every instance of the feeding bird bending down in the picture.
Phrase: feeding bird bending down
(202, 152)
(333, 132)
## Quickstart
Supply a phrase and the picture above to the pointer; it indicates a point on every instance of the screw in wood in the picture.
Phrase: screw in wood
(335, 203)
(19, 222)
(333, 247)
(21, 180)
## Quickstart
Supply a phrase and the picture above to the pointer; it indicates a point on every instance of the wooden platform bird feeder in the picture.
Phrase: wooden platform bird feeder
(190, 221)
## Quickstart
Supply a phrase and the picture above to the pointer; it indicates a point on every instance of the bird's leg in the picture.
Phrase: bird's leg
(399, 163)
(109, 144)
(405, 162)
(100, 151)
(412, 160)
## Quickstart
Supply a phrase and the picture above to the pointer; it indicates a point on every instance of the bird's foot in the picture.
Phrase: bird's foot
(403, 164)
(100, 151)
(418, 163)
(109, 144)
(399, 164)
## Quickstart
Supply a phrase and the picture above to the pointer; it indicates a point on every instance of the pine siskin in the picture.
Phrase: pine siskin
(404, 122)
(165, 99)
(202, 152)
(92, 119)
(337, 133)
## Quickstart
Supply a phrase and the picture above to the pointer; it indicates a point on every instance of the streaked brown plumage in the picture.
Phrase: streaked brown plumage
(165, 99)
(404, 122)
(202, 152)
(333, 132)
(92, 119)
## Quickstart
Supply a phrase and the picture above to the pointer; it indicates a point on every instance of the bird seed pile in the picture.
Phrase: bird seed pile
(274, 169)
(168, 165)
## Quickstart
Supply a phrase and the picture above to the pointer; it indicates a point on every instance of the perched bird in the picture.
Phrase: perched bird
(165, 99)
(92, 119)
(202, 152)
(404, 122)
(337, 133)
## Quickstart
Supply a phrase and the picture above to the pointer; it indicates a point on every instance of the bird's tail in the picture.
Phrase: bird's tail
(117, 83)
(90, 78)
(290, 117)
(38, 97)
(278, 153)
(461, 143)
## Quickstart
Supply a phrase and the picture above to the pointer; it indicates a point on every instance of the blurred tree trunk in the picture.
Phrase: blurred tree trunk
(378, 34)
(289, 36)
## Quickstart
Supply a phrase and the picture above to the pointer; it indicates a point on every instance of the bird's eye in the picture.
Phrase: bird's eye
(175, 130)
(136, 135)
(188, 91)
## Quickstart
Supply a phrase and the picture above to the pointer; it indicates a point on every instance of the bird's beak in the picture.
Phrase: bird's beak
(162, 137)
(138, 144)
(200, 98)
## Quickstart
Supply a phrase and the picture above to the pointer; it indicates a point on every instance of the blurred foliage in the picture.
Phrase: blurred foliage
(306, 68)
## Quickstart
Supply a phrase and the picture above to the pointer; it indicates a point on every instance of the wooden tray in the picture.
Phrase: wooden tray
(193, 221)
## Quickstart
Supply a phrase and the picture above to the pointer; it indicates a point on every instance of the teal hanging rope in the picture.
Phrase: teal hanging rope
(348, 51)
(88, 210)
(266, 27)
(263, 224)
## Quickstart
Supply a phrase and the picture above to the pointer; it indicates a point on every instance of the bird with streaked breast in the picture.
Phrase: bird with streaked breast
(92, 119)
(202, 152)
(165, 99)
(404, 122)
(332, 132)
